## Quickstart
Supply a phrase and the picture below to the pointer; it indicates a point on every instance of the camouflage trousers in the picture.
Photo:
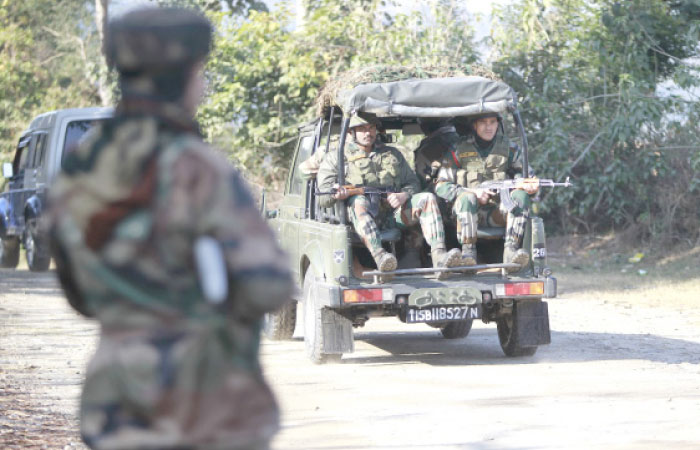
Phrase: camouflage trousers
(420, 208)
(176, 389)
(467, 215)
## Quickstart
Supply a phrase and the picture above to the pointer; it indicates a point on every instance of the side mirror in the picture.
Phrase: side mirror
(7, 171)
(263, 207)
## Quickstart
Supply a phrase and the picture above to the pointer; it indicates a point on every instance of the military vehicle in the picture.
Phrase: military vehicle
(339, 287)
(37, 160)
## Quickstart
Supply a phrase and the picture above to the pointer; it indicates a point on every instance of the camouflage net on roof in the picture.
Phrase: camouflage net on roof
(327, 96)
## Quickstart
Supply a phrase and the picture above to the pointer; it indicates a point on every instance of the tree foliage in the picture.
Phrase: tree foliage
(598, 82)
(589, 74)
(266, 70)
(49, 59)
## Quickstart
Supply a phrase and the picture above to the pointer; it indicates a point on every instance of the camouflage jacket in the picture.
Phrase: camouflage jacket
(465, 165)
(127, 209)
(124, 215)
(382, 167)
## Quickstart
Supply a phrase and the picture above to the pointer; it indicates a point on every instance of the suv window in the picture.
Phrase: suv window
(20, 161)
(306, 145)
(74, 133)
(39, 149)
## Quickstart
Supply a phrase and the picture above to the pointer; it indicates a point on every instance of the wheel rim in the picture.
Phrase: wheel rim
(266, 323)
(29, 246)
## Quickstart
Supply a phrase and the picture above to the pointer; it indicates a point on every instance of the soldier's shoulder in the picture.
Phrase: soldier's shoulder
(195, 159)
(193, 147)
(389, 149)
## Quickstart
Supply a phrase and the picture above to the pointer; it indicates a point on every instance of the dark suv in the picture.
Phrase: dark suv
(36, 162)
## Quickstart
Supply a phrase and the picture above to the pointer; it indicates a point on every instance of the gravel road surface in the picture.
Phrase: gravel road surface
(617, 375)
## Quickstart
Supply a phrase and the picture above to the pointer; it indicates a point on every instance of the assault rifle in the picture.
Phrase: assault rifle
(360, 190)
(504, 186)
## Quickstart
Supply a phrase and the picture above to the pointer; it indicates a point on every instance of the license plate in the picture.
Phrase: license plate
(443, 314)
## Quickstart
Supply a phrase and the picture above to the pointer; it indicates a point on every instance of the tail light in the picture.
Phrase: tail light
(367, 295)
(516, 289)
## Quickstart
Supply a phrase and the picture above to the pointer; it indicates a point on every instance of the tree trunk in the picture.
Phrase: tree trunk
(104, 86)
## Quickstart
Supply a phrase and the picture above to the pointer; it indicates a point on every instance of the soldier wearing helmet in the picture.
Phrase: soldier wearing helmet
(158, 238)
(484, 155)
(373, 164)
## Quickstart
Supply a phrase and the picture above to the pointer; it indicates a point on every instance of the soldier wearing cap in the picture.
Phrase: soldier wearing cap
(373, 164)
(157, 238)
(484, 155)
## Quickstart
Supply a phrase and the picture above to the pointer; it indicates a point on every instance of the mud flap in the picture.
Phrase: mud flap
(337, 333)
(532, 324)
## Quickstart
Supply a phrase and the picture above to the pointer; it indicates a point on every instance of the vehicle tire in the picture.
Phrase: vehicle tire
(313, 323)
(36, 248)
(457, 330)
(9, 252)
(279, 325)
(507, 336)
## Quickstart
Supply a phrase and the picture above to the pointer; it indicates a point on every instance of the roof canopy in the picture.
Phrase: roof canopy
(432, 97)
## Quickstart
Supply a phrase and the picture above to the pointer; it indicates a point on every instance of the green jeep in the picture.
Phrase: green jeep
(340, 288)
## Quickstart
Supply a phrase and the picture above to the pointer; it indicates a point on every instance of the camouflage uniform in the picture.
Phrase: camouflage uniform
(309, 167)
(382, 167)
(172, 370)
(463, 167)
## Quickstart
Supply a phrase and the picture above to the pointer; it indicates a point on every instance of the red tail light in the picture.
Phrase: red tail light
(516, 289)
(366, 295)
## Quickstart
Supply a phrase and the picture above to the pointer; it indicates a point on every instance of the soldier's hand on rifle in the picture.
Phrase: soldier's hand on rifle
(531, 185)
(341, 194)
(397, 199)
(483, 195)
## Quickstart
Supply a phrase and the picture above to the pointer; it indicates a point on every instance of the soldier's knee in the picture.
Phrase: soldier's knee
(521, 198)
(358, 203)
(428, 201)
(465, 202)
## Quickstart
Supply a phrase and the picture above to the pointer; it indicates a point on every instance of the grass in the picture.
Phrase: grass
(600, 268)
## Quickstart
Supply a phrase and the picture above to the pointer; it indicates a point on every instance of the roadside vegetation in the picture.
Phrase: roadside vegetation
(606, 88)
(611, 269)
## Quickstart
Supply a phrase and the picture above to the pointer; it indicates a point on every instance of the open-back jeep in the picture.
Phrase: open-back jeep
(340, 286)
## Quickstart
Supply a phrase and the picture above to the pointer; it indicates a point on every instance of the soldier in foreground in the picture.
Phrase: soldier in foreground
(158, 238)
(372, 164)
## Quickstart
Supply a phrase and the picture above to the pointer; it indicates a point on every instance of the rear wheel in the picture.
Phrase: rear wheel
(313, 323)
(456, 330)
(279, 325)
(508, 337)
(9, 252)
(36, 248)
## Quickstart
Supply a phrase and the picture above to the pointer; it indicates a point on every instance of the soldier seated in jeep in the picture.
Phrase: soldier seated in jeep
(370, 163)
(457, 174)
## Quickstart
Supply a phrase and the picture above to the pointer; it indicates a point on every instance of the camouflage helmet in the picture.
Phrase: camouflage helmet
(357, 121)
(157, 40)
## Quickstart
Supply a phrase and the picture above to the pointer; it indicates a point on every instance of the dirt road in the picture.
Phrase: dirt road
(617, 375)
